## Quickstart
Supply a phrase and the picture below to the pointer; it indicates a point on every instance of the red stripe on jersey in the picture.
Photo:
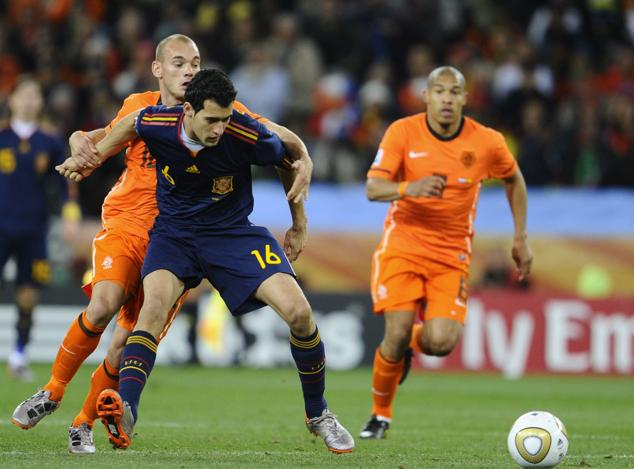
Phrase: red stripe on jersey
(159, 123)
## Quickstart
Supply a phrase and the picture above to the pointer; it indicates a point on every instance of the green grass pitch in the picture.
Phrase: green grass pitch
(202, 417)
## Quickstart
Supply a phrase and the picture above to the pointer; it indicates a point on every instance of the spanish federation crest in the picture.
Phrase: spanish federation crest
(222, 185)
(41, 162)
(467, 158)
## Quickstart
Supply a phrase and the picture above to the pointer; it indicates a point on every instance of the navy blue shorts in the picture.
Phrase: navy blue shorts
(29, 251)
(235, 260)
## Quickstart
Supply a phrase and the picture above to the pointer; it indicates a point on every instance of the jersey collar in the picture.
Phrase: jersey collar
(442, 137)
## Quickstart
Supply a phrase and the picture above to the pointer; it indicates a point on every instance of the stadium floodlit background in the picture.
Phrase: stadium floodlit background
(557, 77)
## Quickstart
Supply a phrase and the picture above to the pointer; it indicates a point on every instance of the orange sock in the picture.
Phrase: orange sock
(81, 340)
(384, 383)
(417, 332)
(104, 377)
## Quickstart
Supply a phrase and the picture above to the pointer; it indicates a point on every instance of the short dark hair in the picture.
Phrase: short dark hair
(210, 83)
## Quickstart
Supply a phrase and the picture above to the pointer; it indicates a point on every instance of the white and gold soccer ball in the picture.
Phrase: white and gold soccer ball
(538, 439)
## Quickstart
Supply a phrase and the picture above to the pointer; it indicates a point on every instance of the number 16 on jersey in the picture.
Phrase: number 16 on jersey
(269, 257)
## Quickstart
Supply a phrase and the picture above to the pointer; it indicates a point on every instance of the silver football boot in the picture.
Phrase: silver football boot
(336, 437)
(80, 440)
(28, 414)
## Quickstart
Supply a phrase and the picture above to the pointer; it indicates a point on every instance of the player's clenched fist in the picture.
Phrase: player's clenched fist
(428, 186)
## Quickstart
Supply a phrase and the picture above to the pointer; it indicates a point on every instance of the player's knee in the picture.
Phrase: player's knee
(101, 310)
(299, 317)
(26, 298)
(439, 344)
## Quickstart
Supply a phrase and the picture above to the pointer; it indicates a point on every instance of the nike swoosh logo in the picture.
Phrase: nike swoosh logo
(417, 154)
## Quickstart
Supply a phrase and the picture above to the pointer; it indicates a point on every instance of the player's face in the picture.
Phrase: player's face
(180, 62)
(445, 98)
(209, 123)
(26, 101)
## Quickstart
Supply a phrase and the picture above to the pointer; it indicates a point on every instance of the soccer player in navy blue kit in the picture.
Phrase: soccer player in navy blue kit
(27, 159)
(204, 151)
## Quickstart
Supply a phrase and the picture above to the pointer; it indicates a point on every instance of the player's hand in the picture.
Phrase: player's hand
(70, 169)
(523, 257)
(303, 170)
(428, 186)
(294, 242)
(83, 150)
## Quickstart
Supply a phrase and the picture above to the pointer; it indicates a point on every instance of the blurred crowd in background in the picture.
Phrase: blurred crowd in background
(557, 76)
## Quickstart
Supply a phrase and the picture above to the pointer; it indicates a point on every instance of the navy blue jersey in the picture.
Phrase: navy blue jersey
(24, 167)
(213, 186)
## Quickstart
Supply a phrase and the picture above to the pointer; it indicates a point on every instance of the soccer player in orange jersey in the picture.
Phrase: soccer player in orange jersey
(119, 249)
(430, 166)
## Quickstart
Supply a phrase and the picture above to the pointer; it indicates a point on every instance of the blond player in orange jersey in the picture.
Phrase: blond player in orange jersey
(430, 166)
(119, 249)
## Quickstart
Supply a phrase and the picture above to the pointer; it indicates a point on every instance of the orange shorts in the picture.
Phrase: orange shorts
(433, 289)
(118, 256)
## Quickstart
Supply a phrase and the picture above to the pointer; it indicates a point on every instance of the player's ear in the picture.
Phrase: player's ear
(188, 109)
(157, 70)
(425, 96)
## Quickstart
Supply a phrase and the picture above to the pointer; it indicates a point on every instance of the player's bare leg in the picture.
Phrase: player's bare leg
(440, 336)
(283, 294)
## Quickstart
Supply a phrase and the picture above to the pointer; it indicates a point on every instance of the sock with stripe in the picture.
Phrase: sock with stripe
(80, 341)
(137, 362)
(310, 358)
(104, 377)
(417, 333)
(385, 377)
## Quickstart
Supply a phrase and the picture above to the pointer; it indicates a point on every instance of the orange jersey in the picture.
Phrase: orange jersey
(131, 203)
(439, 228)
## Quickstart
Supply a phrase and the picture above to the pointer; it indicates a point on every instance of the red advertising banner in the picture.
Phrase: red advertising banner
(518, 333)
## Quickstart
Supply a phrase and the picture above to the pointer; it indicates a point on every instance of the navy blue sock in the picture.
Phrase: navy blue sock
(310, 358)
(23, 327)
(137, 362)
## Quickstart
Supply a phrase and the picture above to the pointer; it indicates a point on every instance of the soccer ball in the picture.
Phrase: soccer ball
(538, 439)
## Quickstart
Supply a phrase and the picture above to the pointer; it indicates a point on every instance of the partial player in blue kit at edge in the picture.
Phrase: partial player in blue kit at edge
(204, 151)
(28, 157)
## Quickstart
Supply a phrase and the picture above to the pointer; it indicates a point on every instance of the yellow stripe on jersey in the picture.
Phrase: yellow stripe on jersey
(252, 136)
(164, 119)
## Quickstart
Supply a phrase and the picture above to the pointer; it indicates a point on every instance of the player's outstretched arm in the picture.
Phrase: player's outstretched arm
(122, 132)
(297, 235)
(517, 197)
(299, 162)
(111, 144)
